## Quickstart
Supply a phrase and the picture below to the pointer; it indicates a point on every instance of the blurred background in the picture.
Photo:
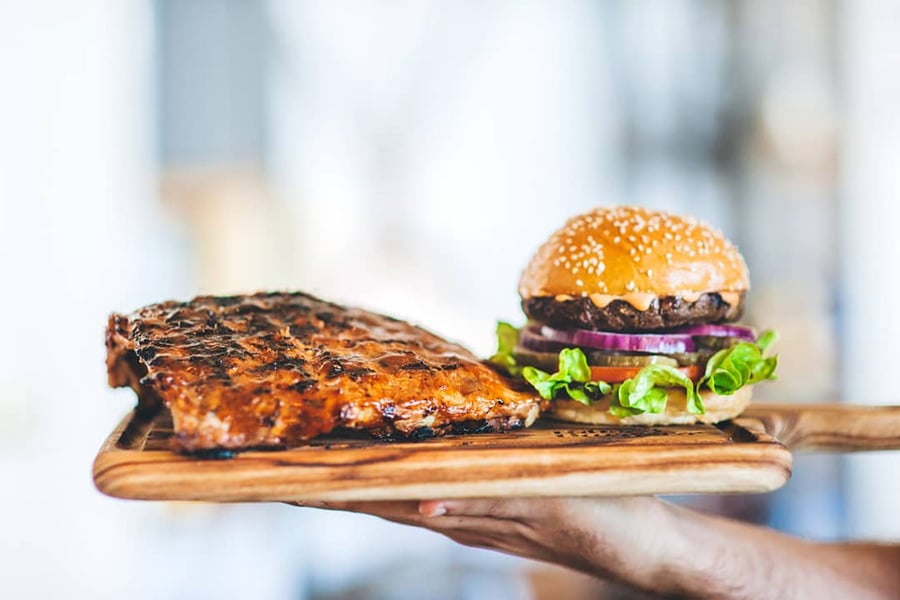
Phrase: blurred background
(409, 157)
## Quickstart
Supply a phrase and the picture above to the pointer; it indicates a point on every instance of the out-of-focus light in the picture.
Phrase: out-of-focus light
(799, 120)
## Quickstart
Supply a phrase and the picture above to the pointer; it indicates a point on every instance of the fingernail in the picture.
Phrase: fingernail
(435, 511)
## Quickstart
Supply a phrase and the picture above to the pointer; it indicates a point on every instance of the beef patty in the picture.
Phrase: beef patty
(667, 312)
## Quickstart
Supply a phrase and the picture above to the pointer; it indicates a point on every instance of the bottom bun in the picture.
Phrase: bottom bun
(718, 408)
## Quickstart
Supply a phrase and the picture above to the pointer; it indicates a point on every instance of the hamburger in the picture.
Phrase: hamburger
(631, 316)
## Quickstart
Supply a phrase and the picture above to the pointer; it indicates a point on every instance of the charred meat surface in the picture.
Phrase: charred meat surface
(667, 312)
(275, 370)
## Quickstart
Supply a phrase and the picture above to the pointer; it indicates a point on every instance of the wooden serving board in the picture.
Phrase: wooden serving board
(549, 459)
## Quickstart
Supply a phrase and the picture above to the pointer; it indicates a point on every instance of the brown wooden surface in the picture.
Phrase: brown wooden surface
(549, 459)
(829, 427)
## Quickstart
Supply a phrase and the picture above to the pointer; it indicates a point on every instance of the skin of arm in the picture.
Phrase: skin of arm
(655, 546)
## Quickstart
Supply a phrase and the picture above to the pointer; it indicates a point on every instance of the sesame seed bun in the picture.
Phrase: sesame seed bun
(718, 408)
(635, 254)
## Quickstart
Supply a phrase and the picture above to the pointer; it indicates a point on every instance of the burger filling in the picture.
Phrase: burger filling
(635, 369)
(663, 313)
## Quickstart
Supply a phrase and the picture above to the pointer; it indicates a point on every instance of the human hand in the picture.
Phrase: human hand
(626, 539)
(654, 546)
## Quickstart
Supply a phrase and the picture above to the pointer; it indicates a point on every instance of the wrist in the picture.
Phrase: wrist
(684, 563)
(642, 545)
(719, 558)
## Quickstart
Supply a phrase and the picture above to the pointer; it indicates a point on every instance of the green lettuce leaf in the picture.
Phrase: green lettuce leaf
(746, 363)
(507, 338)
(726, 372)
(766, 339)
(573, 377)
(647, 392)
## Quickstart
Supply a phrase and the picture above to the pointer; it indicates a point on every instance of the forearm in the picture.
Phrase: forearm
(656, 546)
(714, 557)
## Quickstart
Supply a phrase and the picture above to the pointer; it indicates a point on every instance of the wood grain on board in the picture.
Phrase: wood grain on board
(829, 427)
(749, 454)
(549, 459)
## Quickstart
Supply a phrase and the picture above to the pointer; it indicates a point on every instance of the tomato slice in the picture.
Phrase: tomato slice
(620, 374)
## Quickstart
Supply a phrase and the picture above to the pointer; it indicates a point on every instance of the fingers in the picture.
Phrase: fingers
(439, 515)
(493, 508)
(375, 507)
(408, 513)
(433, 508)
(404, 513)
(501, 517)
(476, 523)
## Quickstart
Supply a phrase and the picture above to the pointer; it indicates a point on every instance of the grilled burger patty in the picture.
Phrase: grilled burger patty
(274, 370)
(667, 312)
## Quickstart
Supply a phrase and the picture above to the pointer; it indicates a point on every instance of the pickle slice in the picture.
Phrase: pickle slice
(715, 343)
(613, 359)
(549, 361)
(689, 359)
(545, 361)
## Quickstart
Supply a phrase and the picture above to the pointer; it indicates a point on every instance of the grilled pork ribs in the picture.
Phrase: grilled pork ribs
(275, 370)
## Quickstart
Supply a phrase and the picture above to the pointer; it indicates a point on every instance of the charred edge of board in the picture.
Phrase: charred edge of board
(211, 454)
(376, 436)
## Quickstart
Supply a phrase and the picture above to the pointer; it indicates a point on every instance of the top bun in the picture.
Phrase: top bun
(625, 251)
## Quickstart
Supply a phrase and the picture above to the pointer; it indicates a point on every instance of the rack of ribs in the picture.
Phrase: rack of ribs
(273, 370)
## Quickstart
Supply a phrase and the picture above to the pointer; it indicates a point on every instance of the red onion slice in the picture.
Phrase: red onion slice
(531, 339)
(744, 333)
(657, 343)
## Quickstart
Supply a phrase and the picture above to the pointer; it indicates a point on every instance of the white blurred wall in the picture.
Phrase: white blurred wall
(76, 238)
(871, 250)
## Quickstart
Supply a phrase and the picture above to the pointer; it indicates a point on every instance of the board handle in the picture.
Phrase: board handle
(830, 427)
